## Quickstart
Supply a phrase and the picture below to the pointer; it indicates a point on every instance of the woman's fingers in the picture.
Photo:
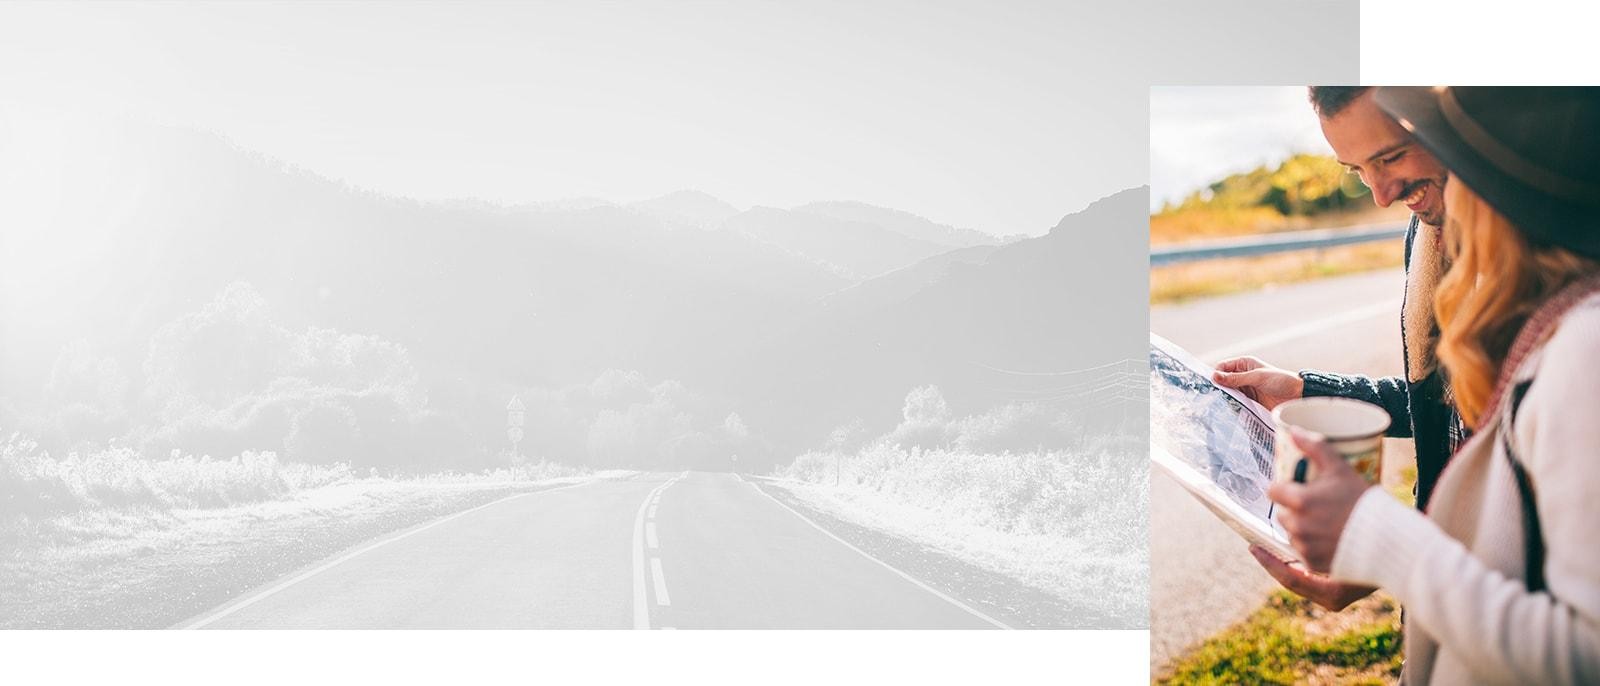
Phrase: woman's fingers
(1290, 523)
(1285, 574)
(1316, 449)
(1317, 588)
(1288, 494)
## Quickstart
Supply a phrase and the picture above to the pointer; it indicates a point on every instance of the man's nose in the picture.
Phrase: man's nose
(1385, 189)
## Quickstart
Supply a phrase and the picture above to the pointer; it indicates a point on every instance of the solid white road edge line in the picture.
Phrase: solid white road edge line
(885, 565)
(661, 582)
(650, 535)
(1301, 330)
(641, 608)
(235, 607)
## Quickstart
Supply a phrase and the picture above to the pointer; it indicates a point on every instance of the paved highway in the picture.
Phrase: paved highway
(675, 550)
(1202, 577)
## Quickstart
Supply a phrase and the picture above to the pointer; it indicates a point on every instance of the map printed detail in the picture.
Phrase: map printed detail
(1217, 443)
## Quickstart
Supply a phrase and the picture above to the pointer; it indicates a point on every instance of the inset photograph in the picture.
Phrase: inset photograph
(570, 316)
(1373, 310)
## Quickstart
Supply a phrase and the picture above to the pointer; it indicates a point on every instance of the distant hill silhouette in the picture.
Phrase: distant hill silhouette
(158, 221)
(692, 209)
(1066, 300)
(901, 284)
(903, 223)
(117, 232)
(853, 249)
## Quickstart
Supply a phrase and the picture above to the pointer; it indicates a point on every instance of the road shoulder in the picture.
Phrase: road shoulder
(1008, 600)
(170, 567)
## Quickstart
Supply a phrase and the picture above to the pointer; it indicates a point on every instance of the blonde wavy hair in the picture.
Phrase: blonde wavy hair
(1495, 281)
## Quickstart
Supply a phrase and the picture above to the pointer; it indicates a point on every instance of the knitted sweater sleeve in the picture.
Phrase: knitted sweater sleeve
(1388, 392)
(1501, 631)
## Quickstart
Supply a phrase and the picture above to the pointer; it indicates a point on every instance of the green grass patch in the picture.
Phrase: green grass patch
(1291, 641)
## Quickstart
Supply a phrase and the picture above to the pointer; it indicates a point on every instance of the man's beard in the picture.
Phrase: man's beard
(1436, 216)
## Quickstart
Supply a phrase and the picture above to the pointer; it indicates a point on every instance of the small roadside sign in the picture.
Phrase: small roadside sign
(516, 412)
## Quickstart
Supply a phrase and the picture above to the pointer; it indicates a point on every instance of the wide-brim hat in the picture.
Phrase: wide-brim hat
(1532, 153)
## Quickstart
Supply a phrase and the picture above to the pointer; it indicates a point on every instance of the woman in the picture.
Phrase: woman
(1501, 578)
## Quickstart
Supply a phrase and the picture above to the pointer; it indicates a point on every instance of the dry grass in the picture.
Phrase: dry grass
(1180, 282)
(1057, 520)
(1205, 223)
(1209, 223)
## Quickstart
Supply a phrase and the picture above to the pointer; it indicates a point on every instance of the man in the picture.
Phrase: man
(1397, 169)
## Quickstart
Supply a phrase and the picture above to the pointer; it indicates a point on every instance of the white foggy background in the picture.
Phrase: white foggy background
(275, 271)
(1201, 134)
(937, 109)
(965, 116)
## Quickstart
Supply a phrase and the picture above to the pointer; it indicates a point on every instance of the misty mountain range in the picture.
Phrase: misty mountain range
(797, 319)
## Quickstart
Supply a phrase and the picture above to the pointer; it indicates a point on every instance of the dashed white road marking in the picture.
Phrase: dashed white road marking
(647, 509)
(650, 535)
(661, 582)
(247, 602)
(997, 623)
(1301, 330)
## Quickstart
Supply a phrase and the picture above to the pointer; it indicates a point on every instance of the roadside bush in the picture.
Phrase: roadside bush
(35, 484)
(1019, 468)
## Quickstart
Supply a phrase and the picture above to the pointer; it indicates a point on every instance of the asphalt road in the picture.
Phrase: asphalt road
(674, 550)
(1202, 577)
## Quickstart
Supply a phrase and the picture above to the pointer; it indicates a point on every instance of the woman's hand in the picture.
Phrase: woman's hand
(1317, 588)
(1315, 513)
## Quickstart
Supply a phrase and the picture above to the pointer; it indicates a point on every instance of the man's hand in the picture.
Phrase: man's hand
(1314, 587)
(1259, 381)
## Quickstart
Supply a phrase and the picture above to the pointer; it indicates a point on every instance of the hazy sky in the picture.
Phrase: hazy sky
(1198, 135)
(996, 117)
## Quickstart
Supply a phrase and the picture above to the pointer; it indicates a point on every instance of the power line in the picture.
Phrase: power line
(1067, 372)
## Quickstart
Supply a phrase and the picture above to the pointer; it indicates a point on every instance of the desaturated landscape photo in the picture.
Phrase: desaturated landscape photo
(235, 359)
(568, 317)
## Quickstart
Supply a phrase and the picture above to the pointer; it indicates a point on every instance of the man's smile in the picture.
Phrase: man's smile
(1420, 197)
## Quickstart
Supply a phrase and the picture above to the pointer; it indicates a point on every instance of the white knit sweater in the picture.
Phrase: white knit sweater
(1458, 570)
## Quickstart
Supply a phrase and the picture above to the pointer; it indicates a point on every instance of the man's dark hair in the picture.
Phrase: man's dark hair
(1331, 100)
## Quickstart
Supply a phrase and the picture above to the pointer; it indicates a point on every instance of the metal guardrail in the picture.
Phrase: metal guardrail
(1272, 243)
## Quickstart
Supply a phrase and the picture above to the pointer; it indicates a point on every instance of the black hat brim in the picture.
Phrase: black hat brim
(1544, 219)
